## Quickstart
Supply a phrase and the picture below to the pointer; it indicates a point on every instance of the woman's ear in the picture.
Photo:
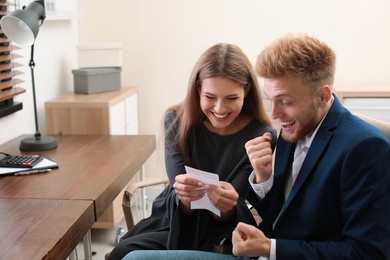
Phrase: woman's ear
(198, 88)
(247, 88)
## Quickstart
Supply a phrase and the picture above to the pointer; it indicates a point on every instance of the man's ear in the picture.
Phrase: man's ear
(325, 94)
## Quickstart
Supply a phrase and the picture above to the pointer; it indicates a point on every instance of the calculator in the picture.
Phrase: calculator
(19, 161)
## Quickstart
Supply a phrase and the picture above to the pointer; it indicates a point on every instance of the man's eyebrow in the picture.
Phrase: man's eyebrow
(281, 96)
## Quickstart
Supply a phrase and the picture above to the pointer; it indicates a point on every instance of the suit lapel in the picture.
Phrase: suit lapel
(283, 155)
(313, 155)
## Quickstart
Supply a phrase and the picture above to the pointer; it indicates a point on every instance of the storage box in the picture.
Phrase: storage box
(100, 55)
(96, 80)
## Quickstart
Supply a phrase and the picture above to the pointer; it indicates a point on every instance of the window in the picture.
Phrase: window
(9, 72)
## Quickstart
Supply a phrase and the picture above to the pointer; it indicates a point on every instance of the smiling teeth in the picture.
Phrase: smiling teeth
(287, 123)
(220, 116)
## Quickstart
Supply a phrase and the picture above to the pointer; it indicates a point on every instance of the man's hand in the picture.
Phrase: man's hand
(250, 241)
(260, 155)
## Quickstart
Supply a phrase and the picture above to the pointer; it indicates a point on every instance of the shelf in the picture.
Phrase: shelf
(9, 109)
(364, 91)
(10, 93)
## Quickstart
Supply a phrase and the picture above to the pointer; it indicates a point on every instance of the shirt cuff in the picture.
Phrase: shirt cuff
(261, 189)
(272, 254)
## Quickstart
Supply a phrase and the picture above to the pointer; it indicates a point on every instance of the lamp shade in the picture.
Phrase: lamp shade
(22, 26)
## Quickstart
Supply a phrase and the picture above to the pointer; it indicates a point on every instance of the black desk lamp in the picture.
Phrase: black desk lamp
(22, 26)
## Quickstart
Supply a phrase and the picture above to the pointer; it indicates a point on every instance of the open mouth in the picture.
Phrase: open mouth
(220, 116)
(287, 125)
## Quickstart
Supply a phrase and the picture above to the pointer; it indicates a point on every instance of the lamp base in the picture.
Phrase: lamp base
(38, 144)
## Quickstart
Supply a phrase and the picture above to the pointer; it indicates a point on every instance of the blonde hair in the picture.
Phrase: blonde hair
(298, 55)
(220, 60)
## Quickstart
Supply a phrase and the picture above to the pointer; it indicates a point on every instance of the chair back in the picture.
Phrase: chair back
(383, 126)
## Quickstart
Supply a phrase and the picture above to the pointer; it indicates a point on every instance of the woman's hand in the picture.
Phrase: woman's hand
(224, 198)
(188, 189)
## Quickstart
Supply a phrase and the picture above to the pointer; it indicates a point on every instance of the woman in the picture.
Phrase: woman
(223, 110)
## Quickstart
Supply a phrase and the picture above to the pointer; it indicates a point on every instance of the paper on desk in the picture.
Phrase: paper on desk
(44, 164)
(207, 178)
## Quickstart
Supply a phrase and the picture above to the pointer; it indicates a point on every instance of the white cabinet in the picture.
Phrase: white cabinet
(124, 116)
(114, 112)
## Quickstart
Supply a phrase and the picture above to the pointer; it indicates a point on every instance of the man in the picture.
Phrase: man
(334, 206)
(331, 201)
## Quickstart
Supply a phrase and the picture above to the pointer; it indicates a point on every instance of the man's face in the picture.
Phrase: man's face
(294, 105)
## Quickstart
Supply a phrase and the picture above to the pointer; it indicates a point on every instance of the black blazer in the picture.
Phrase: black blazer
(339, 205)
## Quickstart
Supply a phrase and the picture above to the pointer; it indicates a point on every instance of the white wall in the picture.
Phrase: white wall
(162, 40)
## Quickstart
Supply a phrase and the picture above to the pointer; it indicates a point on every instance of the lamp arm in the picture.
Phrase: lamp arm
(43, 15)
(32, 66)
(36, 8)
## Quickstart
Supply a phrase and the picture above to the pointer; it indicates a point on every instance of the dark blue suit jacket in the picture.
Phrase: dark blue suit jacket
(339, 206)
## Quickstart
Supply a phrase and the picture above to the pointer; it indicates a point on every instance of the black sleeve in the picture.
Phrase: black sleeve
(174, 160)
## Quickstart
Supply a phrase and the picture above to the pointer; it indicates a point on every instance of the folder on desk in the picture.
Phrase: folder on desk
(46, 163)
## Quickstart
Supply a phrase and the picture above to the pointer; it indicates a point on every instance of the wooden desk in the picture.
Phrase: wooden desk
(42, 229)
(91, 167)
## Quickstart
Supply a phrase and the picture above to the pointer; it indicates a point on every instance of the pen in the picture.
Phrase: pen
(32, 172)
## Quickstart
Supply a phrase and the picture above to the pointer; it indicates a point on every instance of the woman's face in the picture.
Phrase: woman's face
(221, 100)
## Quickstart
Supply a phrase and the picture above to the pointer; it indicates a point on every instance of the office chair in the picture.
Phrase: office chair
(134, 196)
(383, 126)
